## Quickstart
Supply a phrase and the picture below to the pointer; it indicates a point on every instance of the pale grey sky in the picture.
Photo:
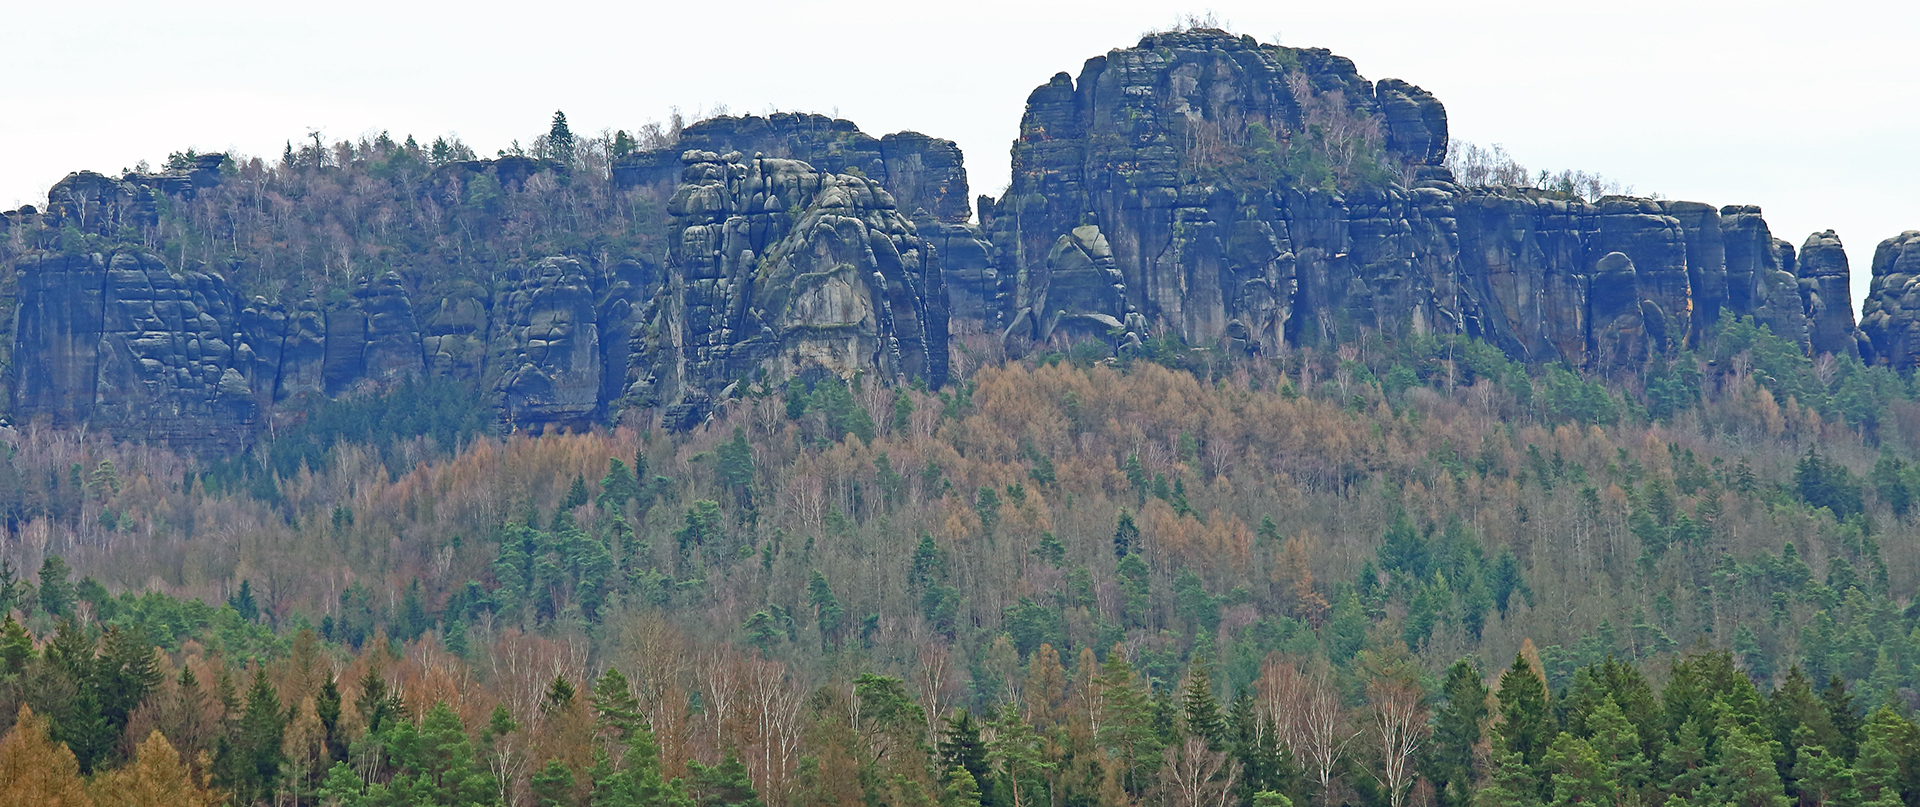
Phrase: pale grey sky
(1808, 110)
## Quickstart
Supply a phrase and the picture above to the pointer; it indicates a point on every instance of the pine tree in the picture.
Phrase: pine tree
(1019, 752)
(1579, 776)
(1617, 746)
(1822, 777)
(16, 647)
(1687, 770)
(1744, 774)
(1877, 772)
(723, 785)
(618, 487)
(1512, 783)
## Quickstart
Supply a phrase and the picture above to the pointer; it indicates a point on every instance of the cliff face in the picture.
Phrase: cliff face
(1235, 194)
(776, 266)
(1131, 156)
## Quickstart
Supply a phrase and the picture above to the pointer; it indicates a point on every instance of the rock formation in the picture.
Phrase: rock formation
(116, 341)
(1890, 317)
(779, 268)
(1230, 193)
(1169, 151)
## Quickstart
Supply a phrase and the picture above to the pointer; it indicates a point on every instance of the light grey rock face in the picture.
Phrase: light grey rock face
(1824, 277)
(1891, 315)
(776, 267)
(1148, 146)
(119, 341)
(1619, 313)
(921, 172)
(116, 341)
(552, 367)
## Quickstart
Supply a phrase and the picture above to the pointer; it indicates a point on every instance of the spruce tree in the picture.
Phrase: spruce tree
(1448, 763)
(1524, 726)
(961, 749)
(1126, 535)
(1202, 709)
(552, 785)
(56, 591)
(560, 138)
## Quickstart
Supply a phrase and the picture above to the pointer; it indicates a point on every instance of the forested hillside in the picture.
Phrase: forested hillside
(1410, 573)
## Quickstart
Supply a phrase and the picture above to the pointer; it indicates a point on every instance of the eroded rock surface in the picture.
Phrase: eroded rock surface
(778, 268)
(1183, 185)
(1161, 148)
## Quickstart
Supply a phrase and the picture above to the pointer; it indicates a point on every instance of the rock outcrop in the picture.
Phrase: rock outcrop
(1231, 193)
(778, 268)
(921, 172)
(1890, 317)
(116, 341)
(1169, 152)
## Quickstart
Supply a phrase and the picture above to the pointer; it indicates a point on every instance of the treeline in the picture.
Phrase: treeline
(322, 216)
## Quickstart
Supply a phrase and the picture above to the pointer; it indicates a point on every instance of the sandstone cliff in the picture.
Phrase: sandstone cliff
(1252, 195)
(779, 267)
(1234, 194)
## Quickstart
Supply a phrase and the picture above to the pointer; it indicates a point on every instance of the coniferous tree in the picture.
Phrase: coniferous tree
(560, 138)
(36, 770)
(1525, 725)
(1744, 772)
(243, 602)
(1577, 774)
(56, 591)
(552, 785)
(1126, 535)
(16, 647)
(1448, 763)
(249, 763)
(961, 749)
(1201, 709)
(735, 466)
(723, 785)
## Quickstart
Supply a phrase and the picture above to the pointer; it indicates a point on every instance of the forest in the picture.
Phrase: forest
(1409, 573)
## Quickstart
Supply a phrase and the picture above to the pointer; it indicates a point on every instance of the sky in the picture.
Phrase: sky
(1808, 110)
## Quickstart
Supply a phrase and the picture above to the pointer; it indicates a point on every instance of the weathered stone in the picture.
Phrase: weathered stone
(840, 287)
(552, 362)
(922, 173)
(116, 341)
(1891, 315)
(1827, 300)
(1621, 332)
